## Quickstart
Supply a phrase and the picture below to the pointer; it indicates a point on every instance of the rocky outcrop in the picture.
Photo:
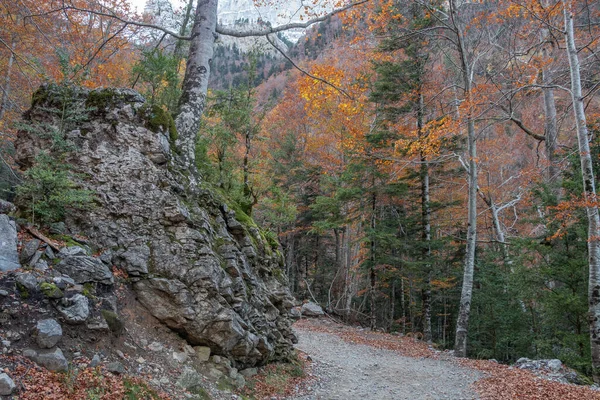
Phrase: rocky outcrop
(197, 263)
(9, 257)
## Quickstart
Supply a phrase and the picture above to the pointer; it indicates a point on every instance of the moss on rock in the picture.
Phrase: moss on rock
(114, 322)
(51, 291)
(159, 120)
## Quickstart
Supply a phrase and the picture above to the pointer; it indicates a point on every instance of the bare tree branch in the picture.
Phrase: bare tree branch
(342, 91)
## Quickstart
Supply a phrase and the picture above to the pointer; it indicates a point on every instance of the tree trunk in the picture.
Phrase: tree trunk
(589, 191)
(195, 82)
(462, 325)
(373, 319)
(426, 233)
(550, 124)
(6, 90)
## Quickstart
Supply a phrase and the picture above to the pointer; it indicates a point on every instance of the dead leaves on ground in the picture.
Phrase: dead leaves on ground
(36, 383)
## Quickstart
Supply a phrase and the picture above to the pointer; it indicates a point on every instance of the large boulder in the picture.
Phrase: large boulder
(84, 269)
(29, 249)
(197, 262)
(52, 359)
(75, 310)
(47, 333)
(9, 256)
(7, 386)
(311, 309)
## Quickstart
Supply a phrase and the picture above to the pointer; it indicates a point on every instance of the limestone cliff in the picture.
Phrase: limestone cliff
(199, 265)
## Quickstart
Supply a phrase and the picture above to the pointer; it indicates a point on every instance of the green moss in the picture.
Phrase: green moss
(68, 240)
(101, 99)
(51, 291)
(23, 292)
(114, 322)
(159, 120)
(224, 384)
(278, 274)
(89, 290)
(200, 393)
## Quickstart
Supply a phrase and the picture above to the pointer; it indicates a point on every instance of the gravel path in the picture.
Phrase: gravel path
(349, 371)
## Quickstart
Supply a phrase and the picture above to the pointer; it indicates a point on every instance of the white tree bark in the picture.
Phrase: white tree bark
(589, 188)
(195, 82)
(462, 324)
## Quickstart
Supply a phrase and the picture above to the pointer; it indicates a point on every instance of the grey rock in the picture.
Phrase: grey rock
(29, 353)
(58, 228)
(116, 368)
(48, 333)
(249, 372)
(106, 257)
(180, 357)
(196, 267)
(7, 386)
(41, 266)
(6, 207)
(214, 372)
(155, 346)
(28, 250)
(85, 269)
(295, 313)
(27, 280)
(238, 381)
(72, 251)
(95, 361)
(74, 310)
(97, 324)
(189, 379)
(52, 360)
(311, 309)
(202, 353)
(49, 253)
(135, 260)
(62, 282)
(554, 365)
(36, 257)
(3, 293)
(9, 256)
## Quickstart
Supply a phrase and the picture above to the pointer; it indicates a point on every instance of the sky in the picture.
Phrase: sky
(139, 4)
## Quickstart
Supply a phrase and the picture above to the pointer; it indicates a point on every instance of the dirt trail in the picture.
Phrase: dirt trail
(350, 371)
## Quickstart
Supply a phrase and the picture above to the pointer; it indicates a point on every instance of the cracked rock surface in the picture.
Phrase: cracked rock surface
(197, 263)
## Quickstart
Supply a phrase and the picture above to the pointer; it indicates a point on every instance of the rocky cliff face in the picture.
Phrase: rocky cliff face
(200, 267)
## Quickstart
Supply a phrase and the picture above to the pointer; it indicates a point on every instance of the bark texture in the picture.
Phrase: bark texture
(195, 82)
(589, 191)
(462, 325)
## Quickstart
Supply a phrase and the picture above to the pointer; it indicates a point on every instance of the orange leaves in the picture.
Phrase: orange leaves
(430, 140)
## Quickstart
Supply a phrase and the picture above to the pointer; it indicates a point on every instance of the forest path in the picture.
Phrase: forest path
(356, 364)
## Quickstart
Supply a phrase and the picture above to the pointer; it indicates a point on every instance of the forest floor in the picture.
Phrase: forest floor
(353, 363)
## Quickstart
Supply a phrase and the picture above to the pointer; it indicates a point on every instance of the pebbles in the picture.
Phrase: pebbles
(356, 372)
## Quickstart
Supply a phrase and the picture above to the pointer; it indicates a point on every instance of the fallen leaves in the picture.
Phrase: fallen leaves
(404, 345)
(38, 383)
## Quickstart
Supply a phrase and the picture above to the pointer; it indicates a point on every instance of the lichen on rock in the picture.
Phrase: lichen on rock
(197, 268)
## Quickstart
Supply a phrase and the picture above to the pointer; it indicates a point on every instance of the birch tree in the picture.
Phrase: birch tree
(589, 186)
